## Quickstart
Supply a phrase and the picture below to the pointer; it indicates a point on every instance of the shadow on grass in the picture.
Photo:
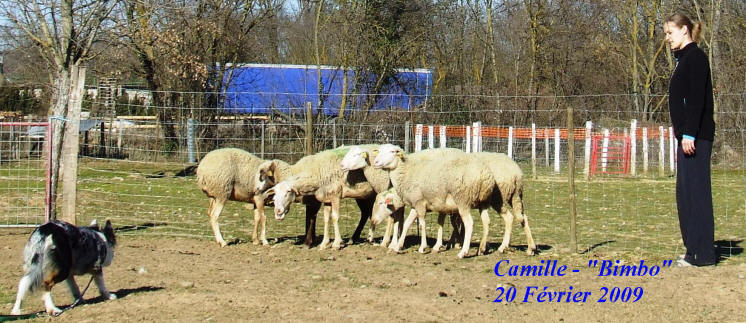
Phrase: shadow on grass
(591, 248)
(728, 248)
(137, 227)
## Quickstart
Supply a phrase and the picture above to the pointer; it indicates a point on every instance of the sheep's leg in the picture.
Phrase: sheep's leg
(398, 227)
(508, 219)
(457, 236)
(523, 220)
(366, 209)
(337, 244)
(216, 206)
(468, 227)
(439, 241)
(485, 231)
(312, 208)
(260, 219)
(407, 223)
(387, 233)
(421, 212)
(325, 241)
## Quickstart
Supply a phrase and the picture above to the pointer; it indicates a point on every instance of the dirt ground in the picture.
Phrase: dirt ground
(188, 279)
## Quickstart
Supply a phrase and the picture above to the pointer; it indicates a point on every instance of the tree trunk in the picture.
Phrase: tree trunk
(60, 96)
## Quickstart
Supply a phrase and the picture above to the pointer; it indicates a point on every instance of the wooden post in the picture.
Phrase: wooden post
(334, 133)
(571, 178)
(672, 151)
(70, 145)
(309, 129)
(546, 146)
(120, 130)
(468, 139)
(418, 137)
(605, 151)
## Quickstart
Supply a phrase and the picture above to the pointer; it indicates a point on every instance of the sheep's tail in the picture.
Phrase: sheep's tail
(39, 257)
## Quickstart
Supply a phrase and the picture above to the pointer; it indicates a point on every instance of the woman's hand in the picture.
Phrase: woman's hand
(687, 145)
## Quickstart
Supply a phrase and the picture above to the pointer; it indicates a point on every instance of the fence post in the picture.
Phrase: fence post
(645, 150)
(407, 127)
(334, 133)
(533, 150)
(468, 139)
(556, 150)
(70, 145)
(430, 137)
(442, 136)
(262, 148)
(571, 178)
(309, 129)
(633, 149)
(587, 152)
(418, 137)
(510, 142)
(672, 151)
(477, 137)
(190, 141)
(661, 153)
(546, 146)
(605, 151)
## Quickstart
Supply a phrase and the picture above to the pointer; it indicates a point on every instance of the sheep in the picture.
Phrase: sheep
(509, 180)
(360, 158)
(451, 183)
(231, 174)
(318, 179)
(388, 203)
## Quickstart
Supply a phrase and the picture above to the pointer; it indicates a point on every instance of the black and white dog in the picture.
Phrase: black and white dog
(57, 251)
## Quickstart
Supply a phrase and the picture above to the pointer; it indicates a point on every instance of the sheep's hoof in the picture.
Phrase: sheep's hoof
(323, 245)
(437, 247)
(502, 248)
(265, 242)
(222, 243)
(255, 242)
(337, 245)
(15, 312)
(421, 250)
(463, 254)
(530, 252)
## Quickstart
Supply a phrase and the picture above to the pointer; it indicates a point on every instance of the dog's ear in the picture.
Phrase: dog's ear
(109, 233)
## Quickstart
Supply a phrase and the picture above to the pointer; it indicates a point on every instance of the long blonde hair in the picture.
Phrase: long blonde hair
(681, 20)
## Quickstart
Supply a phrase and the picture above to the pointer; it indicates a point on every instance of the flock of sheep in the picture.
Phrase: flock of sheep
(383, 180)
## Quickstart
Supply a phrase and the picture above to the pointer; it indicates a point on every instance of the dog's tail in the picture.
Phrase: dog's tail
(43, 260)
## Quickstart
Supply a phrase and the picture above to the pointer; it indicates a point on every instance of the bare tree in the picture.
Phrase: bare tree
(64, 32)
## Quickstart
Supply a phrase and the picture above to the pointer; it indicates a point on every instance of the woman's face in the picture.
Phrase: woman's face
(675, 36)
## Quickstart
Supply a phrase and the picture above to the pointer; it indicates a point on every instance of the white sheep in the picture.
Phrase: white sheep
(359, 158)
(231, 174)
(319, 177)
(388, 203)
(509, 180)
(448, 184)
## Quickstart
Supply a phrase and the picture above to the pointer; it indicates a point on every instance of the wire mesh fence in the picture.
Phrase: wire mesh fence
(138, 170)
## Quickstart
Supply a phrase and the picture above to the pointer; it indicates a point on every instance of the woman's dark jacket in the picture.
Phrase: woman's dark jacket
(690, 94)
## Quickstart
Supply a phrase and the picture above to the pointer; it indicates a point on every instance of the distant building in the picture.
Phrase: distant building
(262, 88)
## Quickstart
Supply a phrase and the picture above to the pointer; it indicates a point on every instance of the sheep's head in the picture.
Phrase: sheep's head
(387, 203)
(284, 195)
(388, 156)
(356, 158)
(265, 176)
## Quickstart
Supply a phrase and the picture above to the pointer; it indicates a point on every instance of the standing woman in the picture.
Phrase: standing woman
(691, 107)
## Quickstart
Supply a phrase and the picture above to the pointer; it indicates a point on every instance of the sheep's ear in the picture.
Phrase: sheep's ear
(269, 173)
(365, 154)
(375, 152)
(400, 154)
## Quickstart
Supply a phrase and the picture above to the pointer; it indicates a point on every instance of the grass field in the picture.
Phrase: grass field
(634, 218)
